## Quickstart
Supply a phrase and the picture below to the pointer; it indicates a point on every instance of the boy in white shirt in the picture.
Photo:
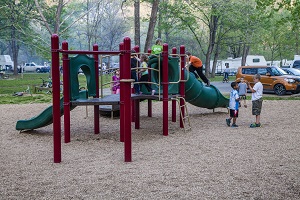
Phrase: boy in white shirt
(257, 91)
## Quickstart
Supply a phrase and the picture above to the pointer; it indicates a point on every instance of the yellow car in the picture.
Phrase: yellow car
(273, 78)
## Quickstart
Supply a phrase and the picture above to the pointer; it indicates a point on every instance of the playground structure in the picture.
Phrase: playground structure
(178, 83)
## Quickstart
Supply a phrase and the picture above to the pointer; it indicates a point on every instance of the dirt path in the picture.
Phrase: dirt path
(212, 161)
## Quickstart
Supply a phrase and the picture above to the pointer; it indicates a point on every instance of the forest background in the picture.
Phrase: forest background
(210, 29)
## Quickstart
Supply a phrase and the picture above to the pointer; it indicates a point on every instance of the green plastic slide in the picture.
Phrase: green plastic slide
(45, 117)
(196, 93)
(41, 120)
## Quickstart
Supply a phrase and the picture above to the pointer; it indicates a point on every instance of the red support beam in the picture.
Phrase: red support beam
(96, 107)
(174, 51)
(56, 98)
(149, 100)
(127, 100)
(122, 106)
(66, 91)
(165, 89)
(89, 52)
(137, 114)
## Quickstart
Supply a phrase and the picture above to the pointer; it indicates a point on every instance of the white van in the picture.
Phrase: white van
(6, 64)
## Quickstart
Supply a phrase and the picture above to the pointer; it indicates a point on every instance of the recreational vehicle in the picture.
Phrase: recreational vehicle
(235, 63)
(6, 64)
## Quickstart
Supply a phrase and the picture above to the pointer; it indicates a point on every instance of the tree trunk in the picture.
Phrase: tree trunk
(58, 15)
(152, 23)
(212, 39)
(137, 31)
(14, 49)
(246, 49)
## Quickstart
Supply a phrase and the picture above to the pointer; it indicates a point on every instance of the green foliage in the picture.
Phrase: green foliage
(20, 83)
(25, 99)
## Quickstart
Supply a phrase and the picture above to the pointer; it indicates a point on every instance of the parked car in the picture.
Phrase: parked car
(273, 78)
(296, 62)
(45, 69)
(113, 67)
(32, 67)
(103, 68)
(292, 71)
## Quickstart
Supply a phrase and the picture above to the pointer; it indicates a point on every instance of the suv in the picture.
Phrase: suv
(272, 78)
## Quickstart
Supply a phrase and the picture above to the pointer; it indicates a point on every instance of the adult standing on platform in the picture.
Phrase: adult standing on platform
(196, 65)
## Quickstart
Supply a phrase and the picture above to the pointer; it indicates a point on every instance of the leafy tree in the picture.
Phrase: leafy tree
(15, 19)
(293, 7)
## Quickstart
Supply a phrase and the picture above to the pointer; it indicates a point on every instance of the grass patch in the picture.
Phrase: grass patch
(267, 97)
(220, 78)
(26, 99)
(21, 83)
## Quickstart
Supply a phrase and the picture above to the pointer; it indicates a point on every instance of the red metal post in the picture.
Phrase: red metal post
(122, 106)
(137, 114)
(149, 100)
(133, 111)
(127, 102)
(56, 98)
(182, 84)
(96, 107)
(165, 89)
(174, 51)
(66, 91)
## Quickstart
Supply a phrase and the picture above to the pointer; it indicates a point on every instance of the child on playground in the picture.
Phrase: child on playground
(115, 83)
(157, 48)
(257, 91)
(195, 64)
(144, 74)
(243, 92)
(233, 105)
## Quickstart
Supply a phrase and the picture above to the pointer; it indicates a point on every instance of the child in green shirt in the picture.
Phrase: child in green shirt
(157, 48)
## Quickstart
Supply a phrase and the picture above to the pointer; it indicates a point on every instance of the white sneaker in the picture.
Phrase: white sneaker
(153, 92)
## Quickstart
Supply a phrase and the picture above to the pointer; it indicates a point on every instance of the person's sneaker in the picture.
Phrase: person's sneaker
(228, 122)
(153, 92)
(234, 125)
(253, 125)
(258, 125)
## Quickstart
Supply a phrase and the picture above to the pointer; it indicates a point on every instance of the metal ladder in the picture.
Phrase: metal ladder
(186, 117)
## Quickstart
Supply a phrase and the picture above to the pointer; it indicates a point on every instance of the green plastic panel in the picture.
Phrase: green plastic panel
(87, 64)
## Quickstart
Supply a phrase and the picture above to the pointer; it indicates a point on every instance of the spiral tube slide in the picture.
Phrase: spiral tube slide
(196, 93)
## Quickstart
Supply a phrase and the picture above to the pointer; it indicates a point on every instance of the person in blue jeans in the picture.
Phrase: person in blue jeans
(233, 105)
(226, 74)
